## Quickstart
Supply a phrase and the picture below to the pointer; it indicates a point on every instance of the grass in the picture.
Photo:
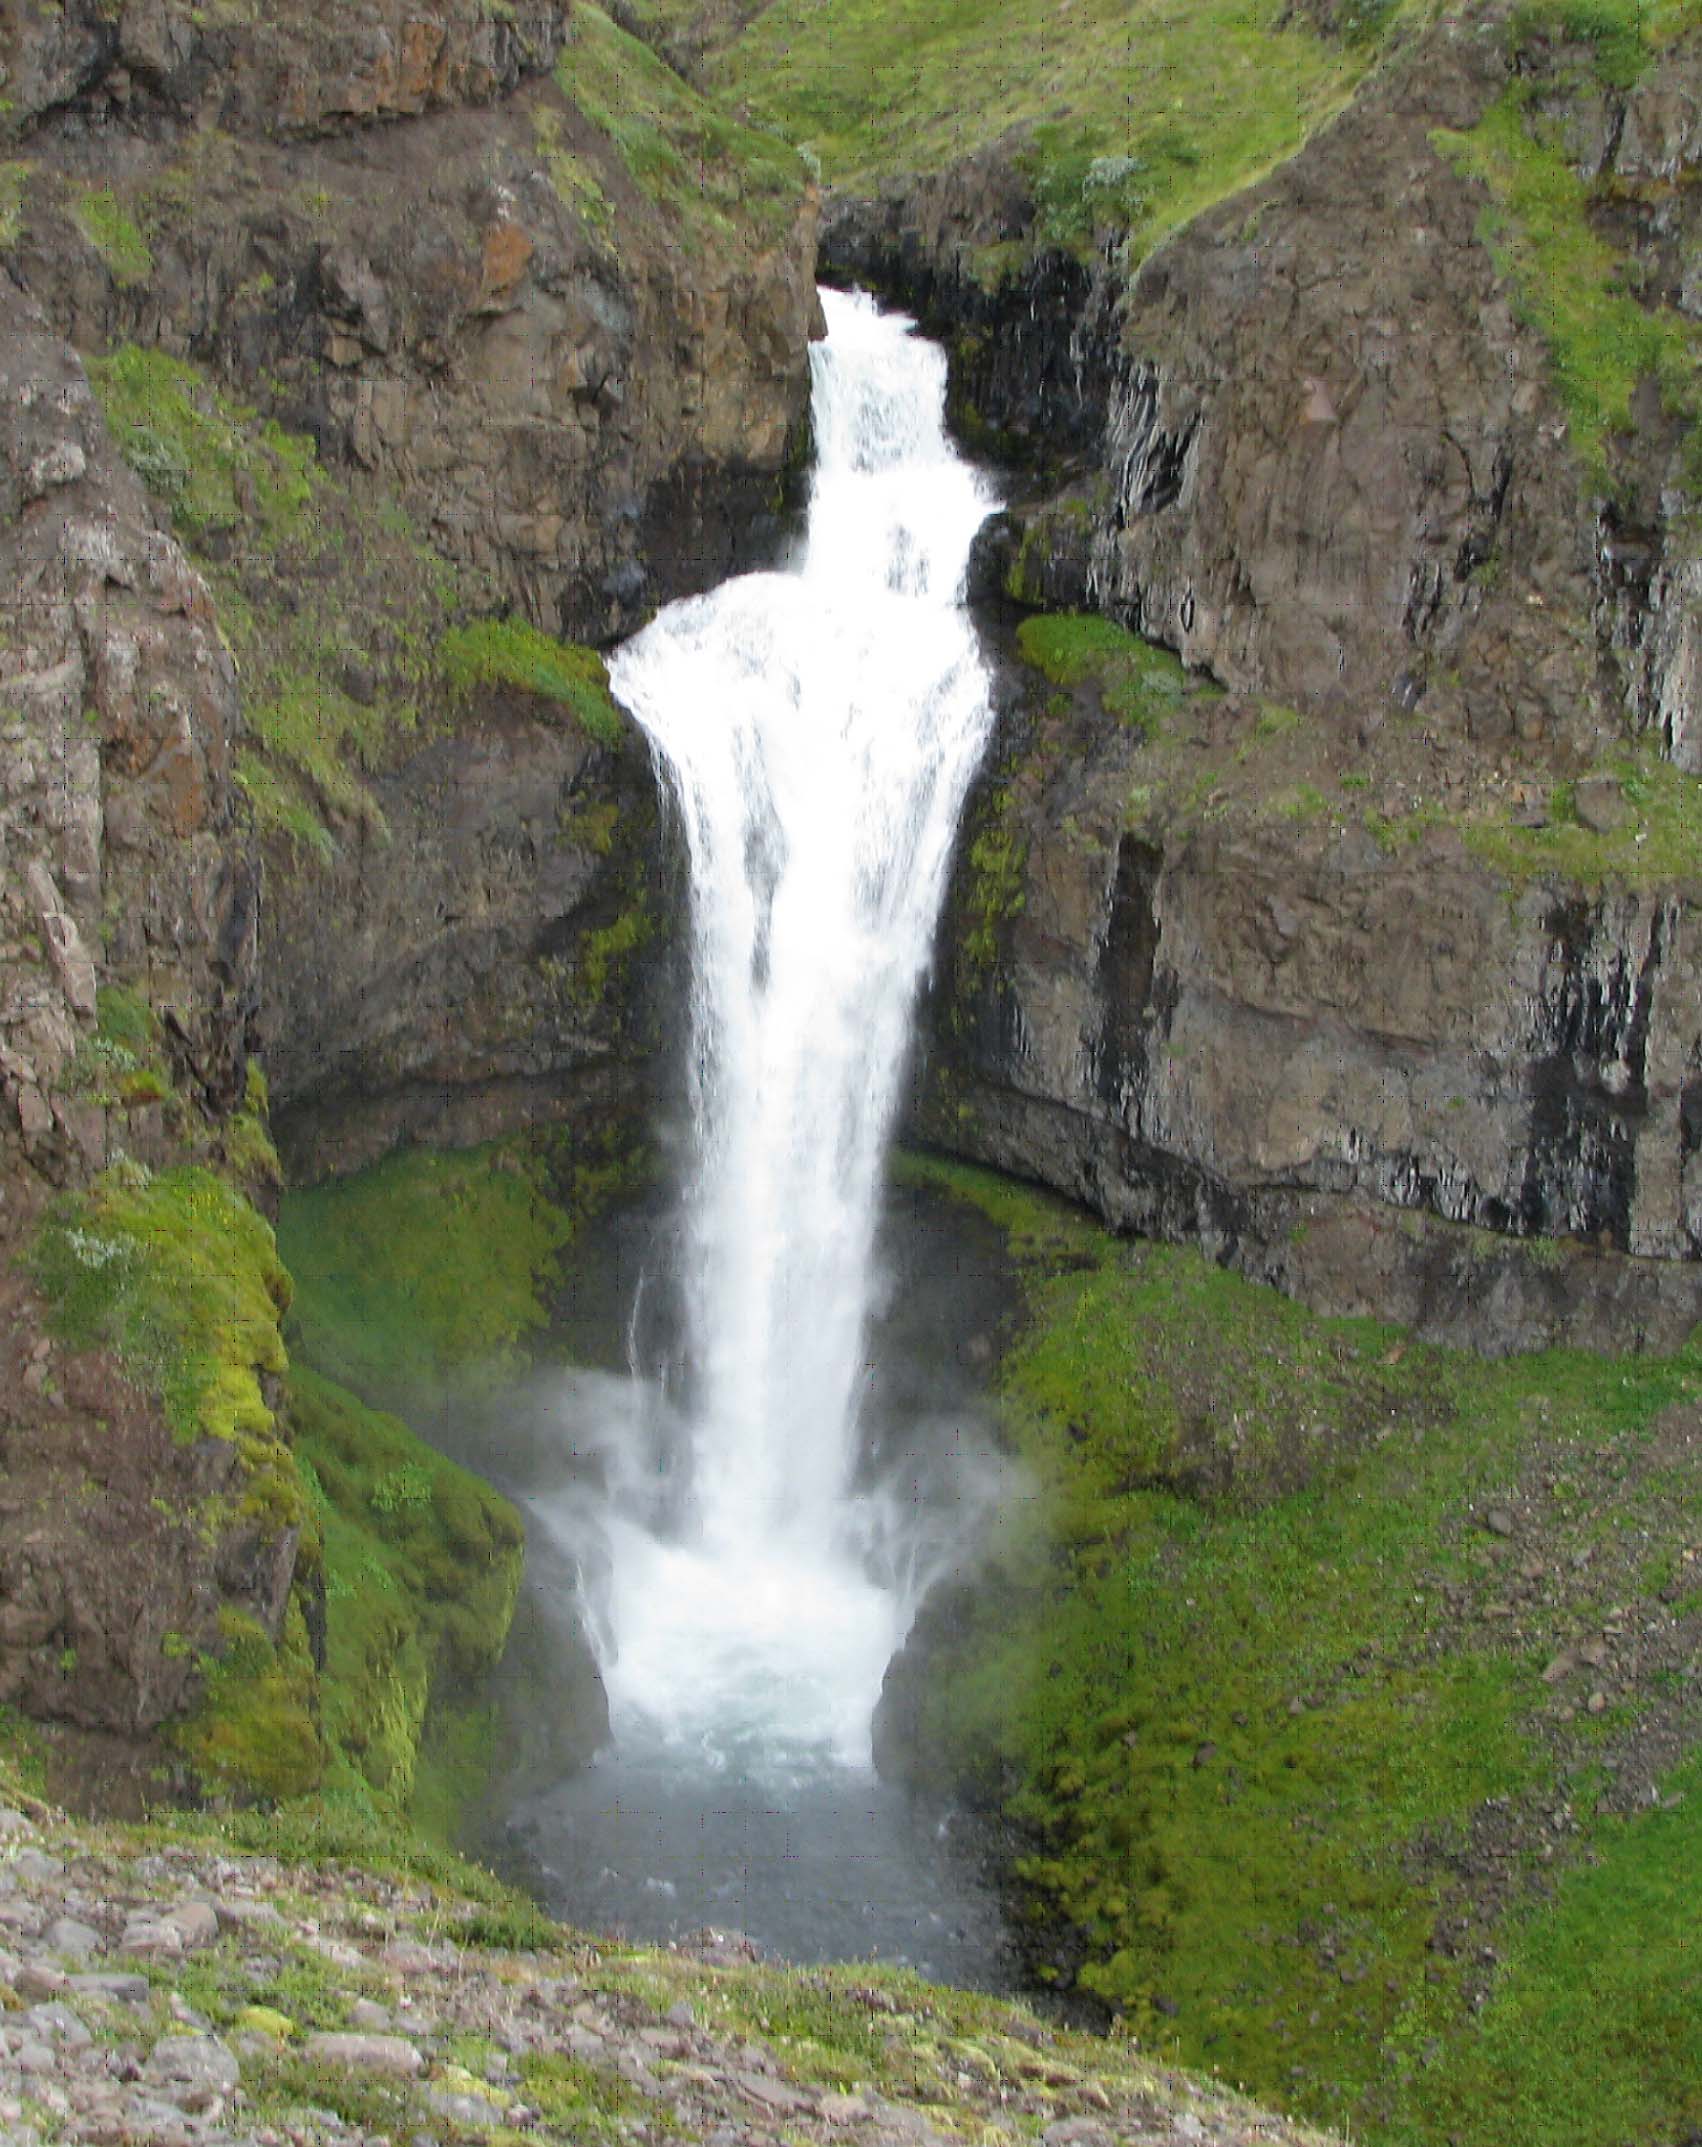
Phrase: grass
(1609, 1977)
(508, 652)
(421, 1566)
(1571, 285)
(1659, 844)
(1136, 115)
(1229, 1671)
(710, 175)
(203, 454)
(114, 234)
(1137, 684)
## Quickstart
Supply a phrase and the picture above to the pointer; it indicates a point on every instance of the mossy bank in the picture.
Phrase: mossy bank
(1331, 1685)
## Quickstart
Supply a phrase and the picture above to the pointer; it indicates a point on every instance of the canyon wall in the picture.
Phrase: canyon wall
(350, 360)
(1364, 954)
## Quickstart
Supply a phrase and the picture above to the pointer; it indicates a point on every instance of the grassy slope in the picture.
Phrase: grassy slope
(1252, 1675)
(1658, 844)
(1570, 283)
(1127, 114)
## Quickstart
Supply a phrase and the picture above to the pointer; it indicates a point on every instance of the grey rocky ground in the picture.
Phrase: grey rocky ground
(173, 1992)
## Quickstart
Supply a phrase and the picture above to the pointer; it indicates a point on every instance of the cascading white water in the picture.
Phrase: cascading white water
(819, 729)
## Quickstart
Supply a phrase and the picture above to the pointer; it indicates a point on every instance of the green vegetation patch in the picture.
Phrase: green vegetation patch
(123, 1062)
(327, 690)
(429, 1267)
(709, 173)
(1245, 1669)
(179, 1275)
(1593, 2033)
(1138, 684)
(421, 1566)
(114, 234)
(1136, 115)
(14, 177)
(998, 862)
(508, 652)
(255, 1728)
(1571, 285)
(203, 454)
(1659, 843)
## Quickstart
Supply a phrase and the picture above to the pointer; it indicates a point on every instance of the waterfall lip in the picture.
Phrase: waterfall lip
(818, 729)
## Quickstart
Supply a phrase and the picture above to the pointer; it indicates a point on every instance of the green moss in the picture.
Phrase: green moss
(180, 1276)
(606, 953)
(430, 1266)
(1137, 683)
(254, 1729)
(998, 861)
(114, 234)
(249, 1152)
(1230, 1674)
(508, 652)
(421, 1566)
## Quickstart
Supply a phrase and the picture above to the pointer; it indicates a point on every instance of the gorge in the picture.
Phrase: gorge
(1322, 922)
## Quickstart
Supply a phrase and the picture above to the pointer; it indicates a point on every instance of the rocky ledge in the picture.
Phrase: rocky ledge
(185, 1994)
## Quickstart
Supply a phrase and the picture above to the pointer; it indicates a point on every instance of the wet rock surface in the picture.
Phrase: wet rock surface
(305, 2006)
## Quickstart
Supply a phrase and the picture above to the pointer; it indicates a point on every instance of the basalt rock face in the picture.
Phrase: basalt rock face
(129, 857)
(1365, 1076)
(1218, 998)
(488, 962)
(395, 231)
(127, 867)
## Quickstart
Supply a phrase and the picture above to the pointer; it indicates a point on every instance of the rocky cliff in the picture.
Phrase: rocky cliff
(1376, 911)
(351, 363)
(412, 319)
(129, 909)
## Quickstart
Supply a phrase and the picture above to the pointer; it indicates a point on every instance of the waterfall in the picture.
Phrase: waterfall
(818, 729)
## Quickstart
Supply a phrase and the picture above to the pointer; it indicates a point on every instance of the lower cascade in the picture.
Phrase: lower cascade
(754, 1566)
